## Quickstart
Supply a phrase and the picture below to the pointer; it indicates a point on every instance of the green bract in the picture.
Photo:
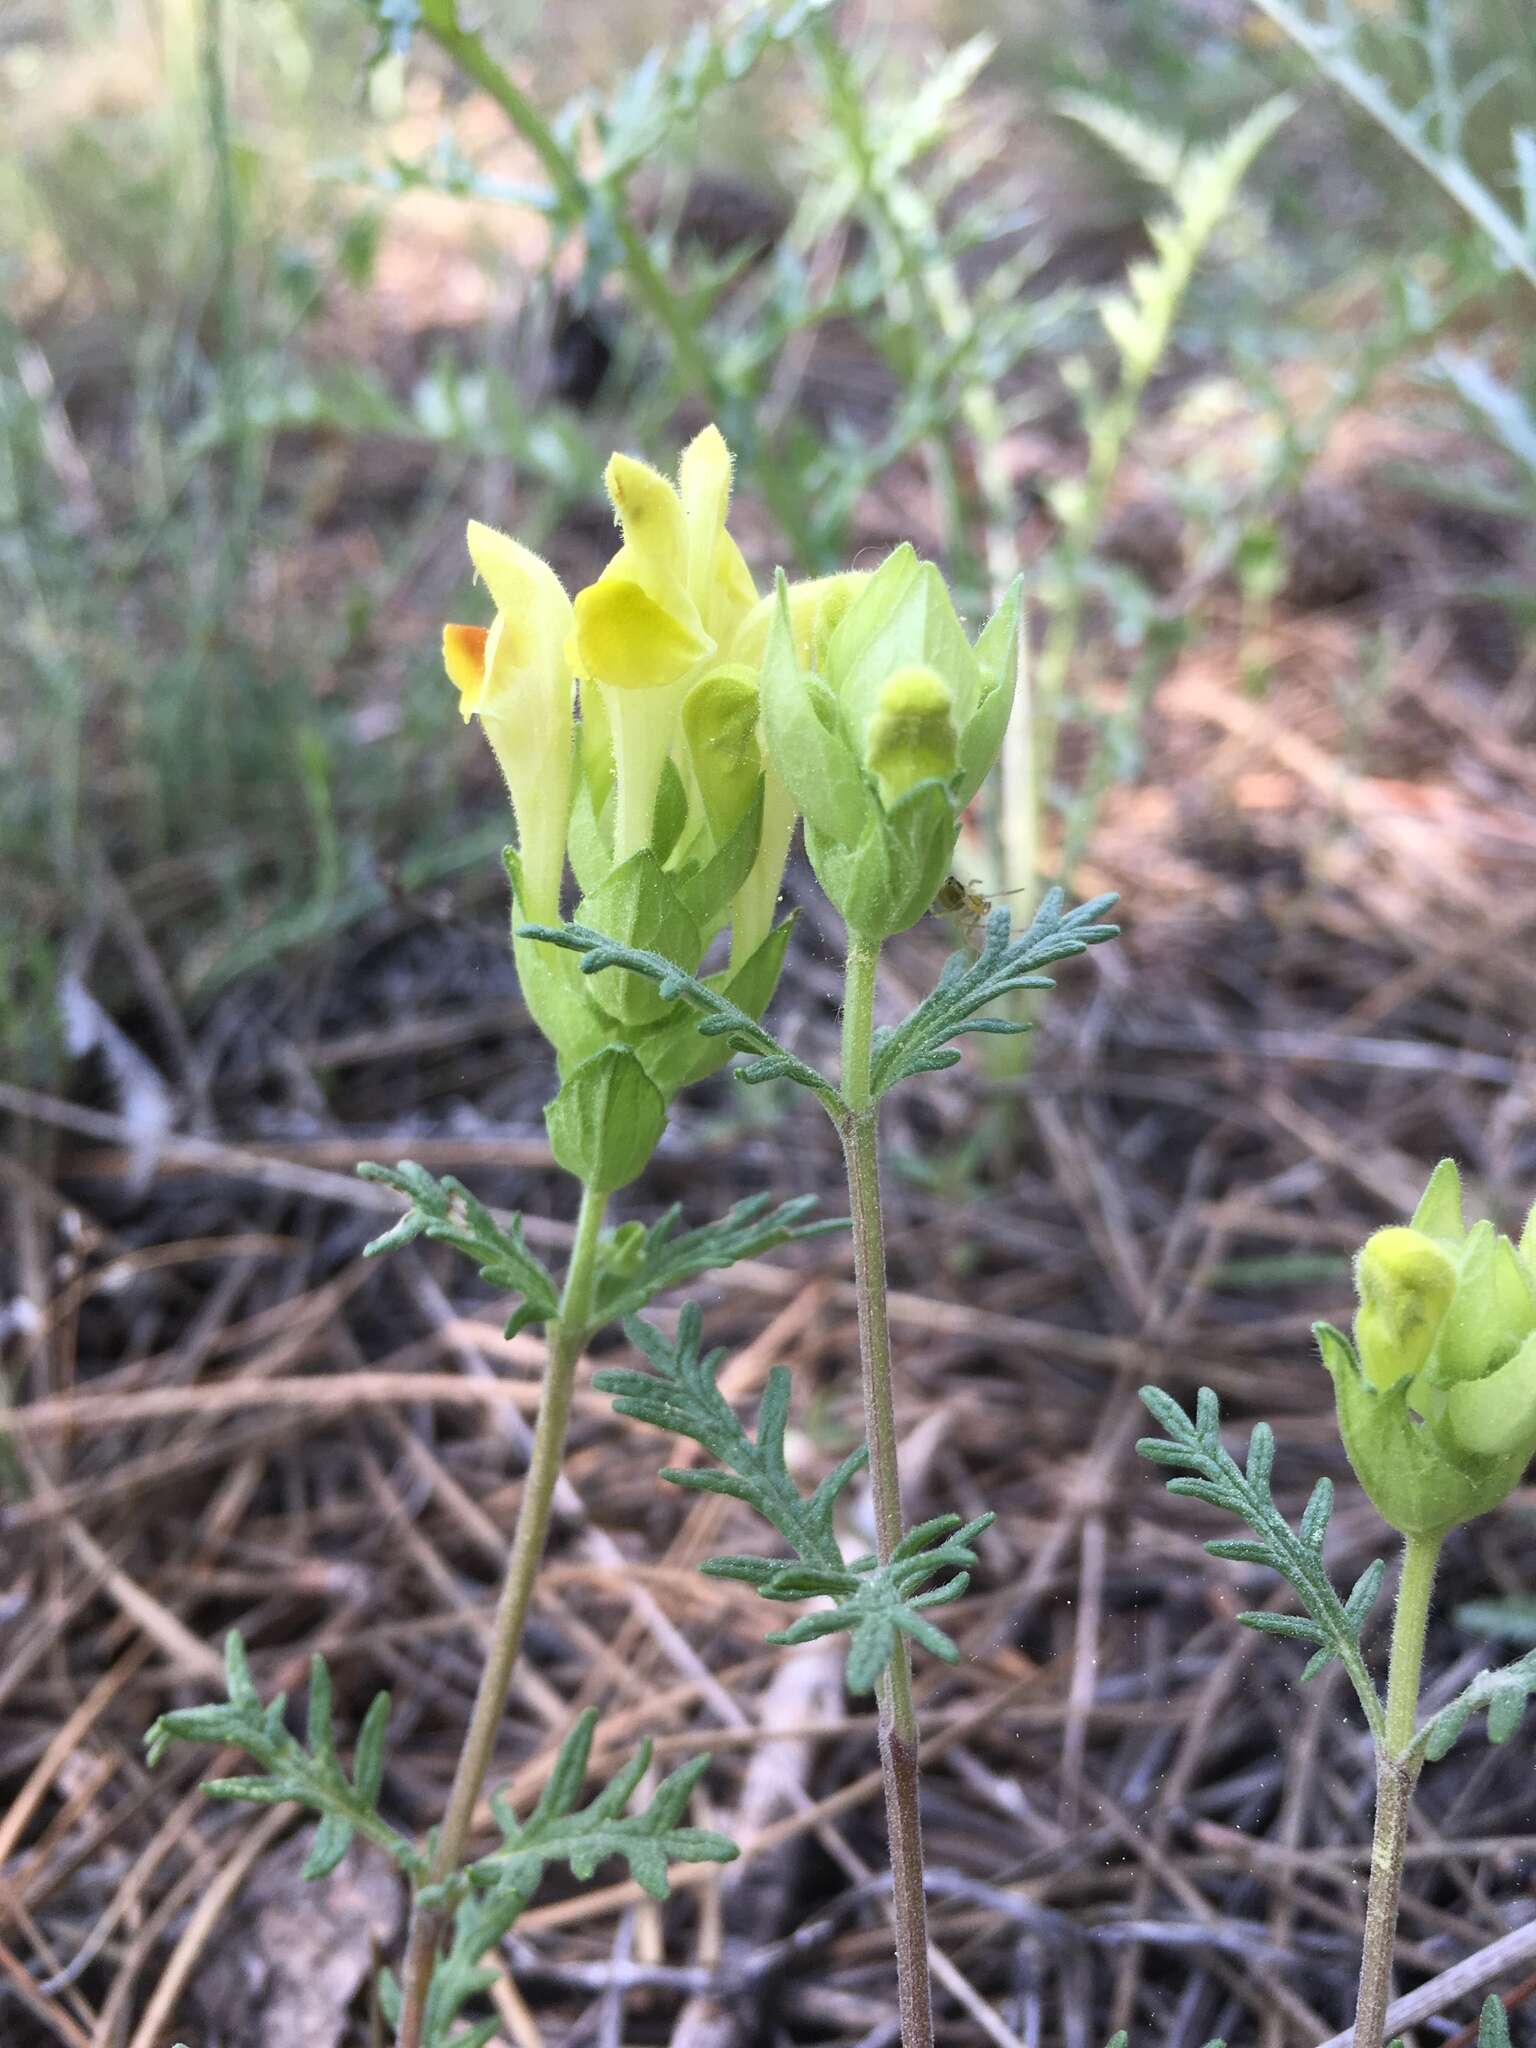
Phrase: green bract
(606, 1121)
(882, 723)
(1437, 1392)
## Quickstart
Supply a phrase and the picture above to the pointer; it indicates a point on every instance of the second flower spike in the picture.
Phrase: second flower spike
(1437, 1392)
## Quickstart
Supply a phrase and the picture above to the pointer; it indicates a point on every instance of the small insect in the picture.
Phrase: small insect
(965, 902)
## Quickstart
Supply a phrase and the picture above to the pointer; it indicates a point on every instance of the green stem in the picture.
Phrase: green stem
(234, 404)
(567, 1339)
(1396, 1772)
(1410, 1624)
(651, 288)
(899, 1739)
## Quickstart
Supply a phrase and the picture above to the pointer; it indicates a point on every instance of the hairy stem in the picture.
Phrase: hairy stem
(1396, 1773)
(567, 1338)
(898, 1717)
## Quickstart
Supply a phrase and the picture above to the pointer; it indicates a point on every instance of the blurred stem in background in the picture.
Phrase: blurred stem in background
(1434, 133)
(230, 298)
(693, 373)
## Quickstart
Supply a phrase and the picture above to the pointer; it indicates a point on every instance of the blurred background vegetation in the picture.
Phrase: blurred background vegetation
(289, 286)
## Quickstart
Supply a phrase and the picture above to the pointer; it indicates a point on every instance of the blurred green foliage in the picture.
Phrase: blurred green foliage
(220, 679)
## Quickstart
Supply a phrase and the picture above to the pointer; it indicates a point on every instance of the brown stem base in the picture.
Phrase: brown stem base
(899, 1771)
(1394, 1796)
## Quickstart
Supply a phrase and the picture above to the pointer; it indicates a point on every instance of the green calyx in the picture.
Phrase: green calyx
(883, 723)
(1437, 1391)
(673, 912)
(720, 725)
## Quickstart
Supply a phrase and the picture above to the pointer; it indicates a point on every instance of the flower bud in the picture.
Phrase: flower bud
(606, 1120)
(1437, 1393)
(912, 737)
(883, 720)
(1405, 1283)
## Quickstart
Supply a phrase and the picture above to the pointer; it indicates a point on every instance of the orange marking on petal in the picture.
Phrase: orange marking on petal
(464, 659)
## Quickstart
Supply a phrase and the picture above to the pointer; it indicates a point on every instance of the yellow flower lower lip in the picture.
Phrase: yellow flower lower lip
(625, 639)
(464, 659)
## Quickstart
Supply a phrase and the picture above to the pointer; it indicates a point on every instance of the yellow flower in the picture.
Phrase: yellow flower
(663, 799)
(516, 678)
(663, 610)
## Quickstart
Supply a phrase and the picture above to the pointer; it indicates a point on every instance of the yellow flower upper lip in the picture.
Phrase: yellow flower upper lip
(533, 622)
(655, 527)
(677, 587)
(516, 678)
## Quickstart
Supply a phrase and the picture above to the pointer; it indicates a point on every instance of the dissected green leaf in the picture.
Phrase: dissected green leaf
(680, 1395)
(333, 1838)
(1512, 1617)
(1333, 1626)
(557, 1831)
(1122, 2040)
(447, 1213)
(307, 1773)
(923, 1042)
(480, 1921)
(1502, 1694)
(668, 90)
(644, 1263)
(875, 1605)
(718, 1016)
(636, 1265)
(1202, 186)
(1493, 2024)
